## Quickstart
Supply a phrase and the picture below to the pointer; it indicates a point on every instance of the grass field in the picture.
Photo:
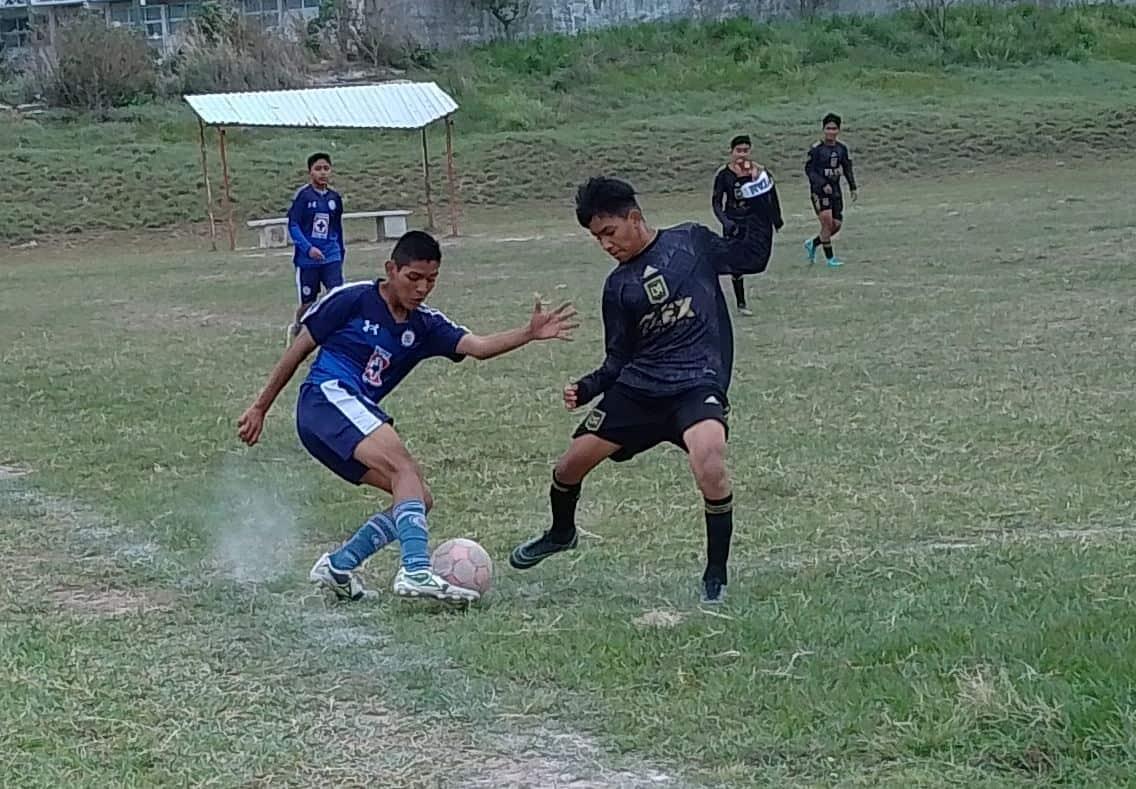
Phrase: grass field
(932, 584)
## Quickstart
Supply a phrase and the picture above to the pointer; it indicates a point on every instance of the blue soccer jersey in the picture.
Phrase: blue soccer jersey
(365, 349)
(316, 220)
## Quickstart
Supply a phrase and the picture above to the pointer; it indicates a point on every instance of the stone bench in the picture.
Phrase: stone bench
(388, 225)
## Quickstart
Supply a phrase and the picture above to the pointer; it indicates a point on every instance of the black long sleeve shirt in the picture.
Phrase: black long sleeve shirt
(667, 327)
(825, 165)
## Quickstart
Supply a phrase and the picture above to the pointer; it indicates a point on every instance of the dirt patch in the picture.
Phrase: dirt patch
(561, 760)
(659, 619)
(463, 757)
(101, 603)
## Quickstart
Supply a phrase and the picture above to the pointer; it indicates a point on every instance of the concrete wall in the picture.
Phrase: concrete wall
(445, 23)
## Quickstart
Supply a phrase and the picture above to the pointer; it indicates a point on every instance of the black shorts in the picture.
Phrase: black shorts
(639, 423)
(833, 202)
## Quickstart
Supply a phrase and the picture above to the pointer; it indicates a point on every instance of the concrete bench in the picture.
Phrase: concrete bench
(388, 224)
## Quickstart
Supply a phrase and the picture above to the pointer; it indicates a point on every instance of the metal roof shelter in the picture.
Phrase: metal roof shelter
(390, 105)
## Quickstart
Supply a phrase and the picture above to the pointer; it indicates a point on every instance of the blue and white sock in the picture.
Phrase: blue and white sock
(373, 535)
(410, 526)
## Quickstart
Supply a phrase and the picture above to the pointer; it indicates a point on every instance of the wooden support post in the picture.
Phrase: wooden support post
(228, 194)
(426, 180)
(451, 175)
(208, 187)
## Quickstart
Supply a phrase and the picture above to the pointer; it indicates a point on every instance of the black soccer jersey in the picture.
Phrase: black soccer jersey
(666, 324)
(826, 164)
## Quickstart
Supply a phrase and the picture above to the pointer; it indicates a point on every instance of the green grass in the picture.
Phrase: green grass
(932, 570)
(535, 115)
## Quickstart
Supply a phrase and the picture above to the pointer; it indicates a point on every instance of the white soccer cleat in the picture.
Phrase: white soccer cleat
(345, 585)
(427, 583)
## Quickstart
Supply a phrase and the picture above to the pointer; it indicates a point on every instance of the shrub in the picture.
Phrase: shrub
(94, 67)
(223, 52)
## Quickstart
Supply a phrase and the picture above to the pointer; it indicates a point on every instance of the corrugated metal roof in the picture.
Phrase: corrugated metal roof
(390, 105)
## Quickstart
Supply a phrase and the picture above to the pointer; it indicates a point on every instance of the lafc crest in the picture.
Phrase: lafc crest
(595, 419)
(657, 290)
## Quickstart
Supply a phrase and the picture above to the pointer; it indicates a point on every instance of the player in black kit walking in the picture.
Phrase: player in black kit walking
(669, 352)
(827, 161)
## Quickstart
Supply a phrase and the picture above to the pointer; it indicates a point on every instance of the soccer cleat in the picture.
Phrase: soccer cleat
(531, 553)
(345, 585)
(811, 251)
(713, 591)
(835, 262)
(745, 311)
(427, 583)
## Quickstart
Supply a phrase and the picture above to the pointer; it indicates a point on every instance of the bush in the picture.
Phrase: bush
(222, 52)
(93, 67)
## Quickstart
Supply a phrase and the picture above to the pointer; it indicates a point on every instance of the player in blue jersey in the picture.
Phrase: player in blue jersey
(666, 374)
(315, 223)
(370, 335)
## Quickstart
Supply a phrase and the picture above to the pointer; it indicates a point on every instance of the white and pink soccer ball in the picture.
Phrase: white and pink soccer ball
(464, 563)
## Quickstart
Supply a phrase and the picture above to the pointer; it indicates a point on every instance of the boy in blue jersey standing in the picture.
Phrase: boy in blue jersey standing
(370, 335)
(315, 223)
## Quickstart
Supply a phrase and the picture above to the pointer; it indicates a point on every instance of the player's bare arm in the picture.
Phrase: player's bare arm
(555, 325)
(251, 423)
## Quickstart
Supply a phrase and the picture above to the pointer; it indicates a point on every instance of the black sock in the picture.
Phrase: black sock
(828, 253)
(719, 532)
(740, 292)
(563, 498)
(816, 241)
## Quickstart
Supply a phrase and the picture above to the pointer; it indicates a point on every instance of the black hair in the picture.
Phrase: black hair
(741, 139)
(415, 245)
(315, 157)
(832, 117)
(604, 197)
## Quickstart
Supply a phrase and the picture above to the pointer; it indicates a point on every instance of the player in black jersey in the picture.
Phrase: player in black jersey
(827, 161)
(744, 189)
(666, 374)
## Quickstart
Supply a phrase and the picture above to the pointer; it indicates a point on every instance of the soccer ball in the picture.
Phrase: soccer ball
(464, 563)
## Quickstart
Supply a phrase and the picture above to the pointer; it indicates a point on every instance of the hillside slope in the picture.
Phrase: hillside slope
(655, 103)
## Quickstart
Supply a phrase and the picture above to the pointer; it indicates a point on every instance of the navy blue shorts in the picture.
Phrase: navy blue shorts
(331, 421)
(308, 280)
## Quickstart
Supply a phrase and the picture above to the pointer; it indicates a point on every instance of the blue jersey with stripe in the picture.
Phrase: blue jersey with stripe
(364, 348)
(316, 220)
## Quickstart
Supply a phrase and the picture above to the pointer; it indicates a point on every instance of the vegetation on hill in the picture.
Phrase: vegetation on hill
(920, 95)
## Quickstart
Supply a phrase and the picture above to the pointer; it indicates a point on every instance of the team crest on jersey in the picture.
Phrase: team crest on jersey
(657, 290)
(331, 205)
(379, 361)
(595, 418)
(321, 224)
(408, 338)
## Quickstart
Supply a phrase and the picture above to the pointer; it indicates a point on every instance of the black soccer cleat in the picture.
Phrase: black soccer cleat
(713, 591)
(531, 553)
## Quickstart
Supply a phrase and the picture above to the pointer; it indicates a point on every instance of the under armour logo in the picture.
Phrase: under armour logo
(373, 328)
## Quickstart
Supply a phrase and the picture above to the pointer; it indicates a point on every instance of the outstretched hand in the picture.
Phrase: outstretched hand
(250, 425)
(555, 325)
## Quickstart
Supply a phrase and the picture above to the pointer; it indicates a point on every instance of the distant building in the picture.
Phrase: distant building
(24, 21)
